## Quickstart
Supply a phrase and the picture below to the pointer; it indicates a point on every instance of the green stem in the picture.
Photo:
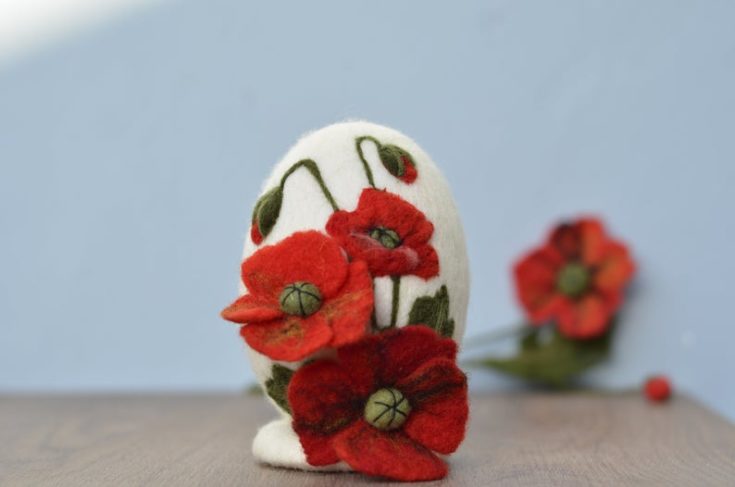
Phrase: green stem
(396, 300)
(314, 170)
(374, 322)
(498, 335)
(365, 165)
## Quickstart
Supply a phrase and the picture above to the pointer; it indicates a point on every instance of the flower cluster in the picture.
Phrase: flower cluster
(389, 397)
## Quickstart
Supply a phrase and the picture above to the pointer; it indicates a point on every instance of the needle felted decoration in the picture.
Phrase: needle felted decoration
(354, 287)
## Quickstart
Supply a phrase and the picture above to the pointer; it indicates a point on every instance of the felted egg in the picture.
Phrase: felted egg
(355, 233)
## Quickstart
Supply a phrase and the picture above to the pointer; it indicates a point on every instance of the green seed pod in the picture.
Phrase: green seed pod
(301, 299)
(386, 237)
(387, 409)
(573, 279)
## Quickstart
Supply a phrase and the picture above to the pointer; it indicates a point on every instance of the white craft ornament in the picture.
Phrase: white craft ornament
(304, 207)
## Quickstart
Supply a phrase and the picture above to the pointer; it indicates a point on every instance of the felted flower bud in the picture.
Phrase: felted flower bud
(265, 214)
(398, 162)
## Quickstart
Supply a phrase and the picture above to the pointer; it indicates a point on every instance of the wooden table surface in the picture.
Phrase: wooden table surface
(514, 439)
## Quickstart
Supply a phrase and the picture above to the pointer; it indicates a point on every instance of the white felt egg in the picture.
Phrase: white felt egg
(349, 158)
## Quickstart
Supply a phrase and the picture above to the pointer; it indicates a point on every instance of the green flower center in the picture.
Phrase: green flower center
(386, 237)
(387, 409)
(300, 298)
(573, 279)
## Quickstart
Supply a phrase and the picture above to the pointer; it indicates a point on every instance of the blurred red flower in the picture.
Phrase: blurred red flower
(388, 233)
(384, 405)
(576, 279)
(302, 295)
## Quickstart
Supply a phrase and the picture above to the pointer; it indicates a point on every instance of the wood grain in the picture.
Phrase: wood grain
(516, 439)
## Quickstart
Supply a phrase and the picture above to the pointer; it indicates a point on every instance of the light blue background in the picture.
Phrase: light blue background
(131, 156)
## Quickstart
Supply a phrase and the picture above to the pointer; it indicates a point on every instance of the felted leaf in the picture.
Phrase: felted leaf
(433, 311)
(277, 385)
(267, 209)
(554, 363)
(530, 341)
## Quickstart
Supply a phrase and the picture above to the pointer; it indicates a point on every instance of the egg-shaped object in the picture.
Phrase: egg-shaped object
(354, 234)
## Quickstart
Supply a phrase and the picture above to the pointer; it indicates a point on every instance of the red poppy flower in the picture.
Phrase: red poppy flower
(384, 405)
(388, 233)
(303, 295)
(576, 279)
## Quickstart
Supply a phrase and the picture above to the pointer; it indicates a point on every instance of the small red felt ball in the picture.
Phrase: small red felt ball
(657, 388)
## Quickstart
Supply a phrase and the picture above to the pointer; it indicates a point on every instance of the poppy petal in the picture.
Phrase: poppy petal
(615, 269)
(437, 392)
(349, 312)
(586, 318)
(290, 339)
(387, 454)
(592, 240)
(535, 279)
(566, 239)
(249, 308)
(550, 309)
(322, 396)
(317, 448)
(406, 350)
(363, 360)
(382, 261)
(304, 256)
(428, 262)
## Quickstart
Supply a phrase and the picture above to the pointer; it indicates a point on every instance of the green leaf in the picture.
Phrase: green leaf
(530, 341)
(267, 209)
(433, 311)
(277, 385)
(555, 363)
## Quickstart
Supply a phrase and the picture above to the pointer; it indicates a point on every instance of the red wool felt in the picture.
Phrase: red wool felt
(407, 351)
(255, 234)
(304, 256)
(380, 209)
(387, 454)
(325, 391)
(289, 339)
(252, 308)
(439, 392)
(409, 174)
(345, 305)
(328, 398)
(326, 394)
(317, 446)
(354, 299)
(607, 263)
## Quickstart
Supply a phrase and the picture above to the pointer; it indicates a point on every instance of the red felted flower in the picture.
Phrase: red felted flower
(576, 279)
(302, 295)
(388, 233)
(384, 405)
